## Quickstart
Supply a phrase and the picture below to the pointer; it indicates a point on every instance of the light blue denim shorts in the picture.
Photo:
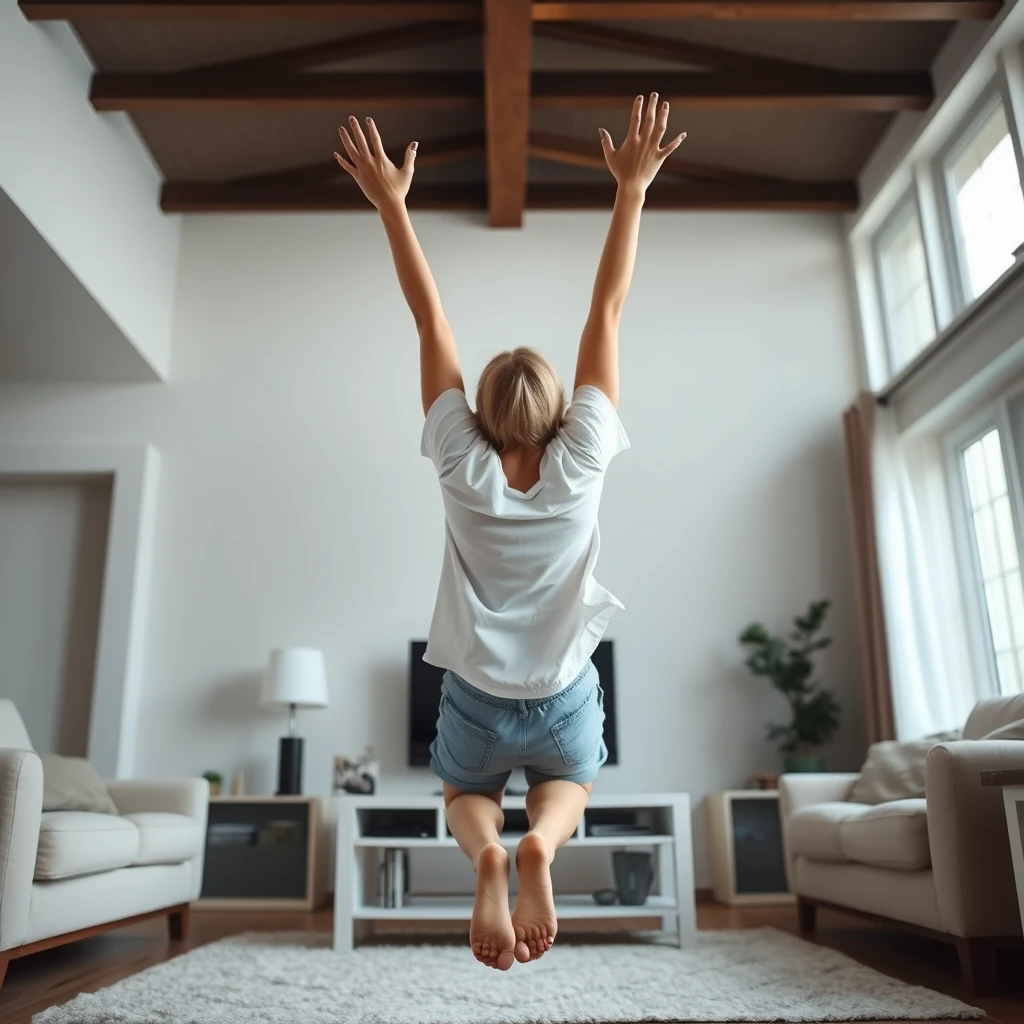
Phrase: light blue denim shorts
(481, 739)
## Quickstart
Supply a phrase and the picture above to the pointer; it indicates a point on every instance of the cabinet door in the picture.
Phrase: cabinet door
(757, 847)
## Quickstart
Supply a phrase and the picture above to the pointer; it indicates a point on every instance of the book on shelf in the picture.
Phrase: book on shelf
(393, 878)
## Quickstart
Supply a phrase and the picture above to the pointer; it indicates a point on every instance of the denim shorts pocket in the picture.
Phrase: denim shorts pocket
(469, 745)
(579, 735)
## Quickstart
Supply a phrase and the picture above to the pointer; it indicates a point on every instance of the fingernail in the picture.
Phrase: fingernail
(664, 105)
(369, 120)
(639, 99)
(353, 120)
(415, 146)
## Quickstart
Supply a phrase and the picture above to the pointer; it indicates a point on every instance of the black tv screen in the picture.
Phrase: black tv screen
(425, 696)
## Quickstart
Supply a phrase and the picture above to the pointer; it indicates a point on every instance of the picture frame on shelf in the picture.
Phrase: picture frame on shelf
(356, 776)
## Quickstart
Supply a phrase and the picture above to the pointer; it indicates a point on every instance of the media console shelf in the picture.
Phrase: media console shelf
(369, 826)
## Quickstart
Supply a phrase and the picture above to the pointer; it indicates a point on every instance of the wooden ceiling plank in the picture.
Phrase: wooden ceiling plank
(681, 51)
(303, 57)
(543, 10)
(549, 90)
(807, 196)
(438, 153)
(338, 91)
(765, 10)
(575, 153)
(507, 59)
(233, 10)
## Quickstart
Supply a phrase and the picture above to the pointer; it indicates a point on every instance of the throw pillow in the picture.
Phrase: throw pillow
(1011, 731)
(72, 784)
(894, 770)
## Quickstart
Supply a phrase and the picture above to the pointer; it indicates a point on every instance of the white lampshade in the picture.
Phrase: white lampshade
(295, 676)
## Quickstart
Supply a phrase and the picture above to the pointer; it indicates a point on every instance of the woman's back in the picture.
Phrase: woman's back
(518, 610)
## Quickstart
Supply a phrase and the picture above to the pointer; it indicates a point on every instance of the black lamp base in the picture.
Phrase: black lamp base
(289, 767)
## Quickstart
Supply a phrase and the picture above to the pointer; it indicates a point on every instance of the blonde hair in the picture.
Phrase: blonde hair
(519, 400)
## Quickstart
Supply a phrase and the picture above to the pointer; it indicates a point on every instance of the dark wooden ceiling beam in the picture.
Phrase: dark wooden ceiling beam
(681, 51)
(801, 196)
(334, 90)
(542, 10)
(507, 59)
(549, 90)
(348, 48)
(572, 152)
(765, 10)
(284, 197)
(836, 91)
(436, 153)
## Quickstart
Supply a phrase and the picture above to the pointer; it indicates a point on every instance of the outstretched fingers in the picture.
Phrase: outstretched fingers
(661, 125)
(651, 114)
(349, 144)
(375, 143)
(635, 117)
(359, 137)
(672, 146)
(344, 163)
(606, 143)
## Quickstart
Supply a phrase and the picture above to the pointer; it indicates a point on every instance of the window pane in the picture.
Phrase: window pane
(1015, 591)
(1004, 533)
(994, 463)
(995, 543)
(977, 479)
(988, 204)
(906, 290)
(1009, 682)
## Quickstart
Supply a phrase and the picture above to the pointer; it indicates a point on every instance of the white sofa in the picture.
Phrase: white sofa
(68, 874)
(939, 865)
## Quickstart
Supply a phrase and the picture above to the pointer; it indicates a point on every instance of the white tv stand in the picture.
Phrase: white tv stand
(358, 852)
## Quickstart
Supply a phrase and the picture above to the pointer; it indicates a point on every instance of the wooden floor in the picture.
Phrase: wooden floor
(55, 976)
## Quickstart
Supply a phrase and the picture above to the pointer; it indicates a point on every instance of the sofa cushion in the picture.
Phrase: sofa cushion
(892, 835)
(166, 838)
(894, 770)
(814, 831)
(73, 843)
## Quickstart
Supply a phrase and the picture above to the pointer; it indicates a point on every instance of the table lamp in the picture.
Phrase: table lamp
(296, 678)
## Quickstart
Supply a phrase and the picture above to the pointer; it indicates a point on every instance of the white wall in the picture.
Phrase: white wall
(53, 542)
(295, 508)
(86, 182)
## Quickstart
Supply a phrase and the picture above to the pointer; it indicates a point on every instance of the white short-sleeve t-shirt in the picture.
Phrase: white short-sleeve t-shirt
(518, 610)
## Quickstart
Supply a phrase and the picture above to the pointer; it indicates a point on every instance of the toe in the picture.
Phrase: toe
(522, 952)
(505, 960)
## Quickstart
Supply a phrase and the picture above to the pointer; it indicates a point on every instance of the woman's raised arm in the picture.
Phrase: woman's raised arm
(634, 165)
(386, 186)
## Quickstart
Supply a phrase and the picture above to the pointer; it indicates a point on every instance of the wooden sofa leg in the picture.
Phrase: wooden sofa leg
(177, 923)
(5, 959)
(978, 963)
(808, 915)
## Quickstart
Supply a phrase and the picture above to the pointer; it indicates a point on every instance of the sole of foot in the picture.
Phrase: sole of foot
(491, 935)
(534, 918)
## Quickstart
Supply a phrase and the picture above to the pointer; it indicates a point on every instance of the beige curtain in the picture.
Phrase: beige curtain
(859, 434)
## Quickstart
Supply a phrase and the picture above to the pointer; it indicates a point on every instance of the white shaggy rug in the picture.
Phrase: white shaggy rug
(750, 975)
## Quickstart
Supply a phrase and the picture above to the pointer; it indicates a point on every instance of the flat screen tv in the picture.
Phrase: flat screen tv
(425, 696)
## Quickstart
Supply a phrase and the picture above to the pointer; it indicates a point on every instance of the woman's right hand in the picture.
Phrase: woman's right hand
(382, 182)
(636, 162)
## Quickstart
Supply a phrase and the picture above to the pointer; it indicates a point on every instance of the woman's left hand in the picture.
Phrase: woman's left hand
(382, 182)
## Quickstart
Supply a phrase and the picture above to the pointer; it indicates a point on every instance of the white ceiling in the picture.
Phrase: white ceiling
(51, 328)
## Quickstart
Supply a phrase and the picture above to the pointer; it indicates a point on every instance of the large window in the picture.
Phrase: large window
(996, 557)
(987, 204)
(907, 297)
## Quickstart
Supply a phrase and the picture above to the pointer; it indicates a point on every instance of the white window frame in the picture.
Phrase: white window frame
(956, 256)
(904, 210)
(994, 417)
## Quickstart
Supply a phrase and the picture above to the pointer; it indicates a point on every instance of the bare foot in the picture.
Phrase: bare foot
(490, 933)
(534, 918)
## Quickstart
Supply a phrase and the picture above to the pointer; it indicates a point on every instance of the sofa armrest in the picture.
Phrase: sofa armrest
(798, 790)
(970, 848)
(190, 797)
(21, 808)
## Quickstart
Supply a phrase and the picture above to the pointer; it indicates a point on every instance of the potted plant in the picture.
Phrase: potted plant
(788, 664)
(215, 779)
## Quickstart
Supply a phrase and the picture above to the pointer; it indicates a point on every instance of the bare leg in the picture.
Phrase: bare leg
(475, 819)
(554, 809)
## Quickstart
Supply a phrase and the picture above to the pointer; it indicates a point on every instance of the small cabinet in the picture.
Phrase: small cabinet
(748, 864)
